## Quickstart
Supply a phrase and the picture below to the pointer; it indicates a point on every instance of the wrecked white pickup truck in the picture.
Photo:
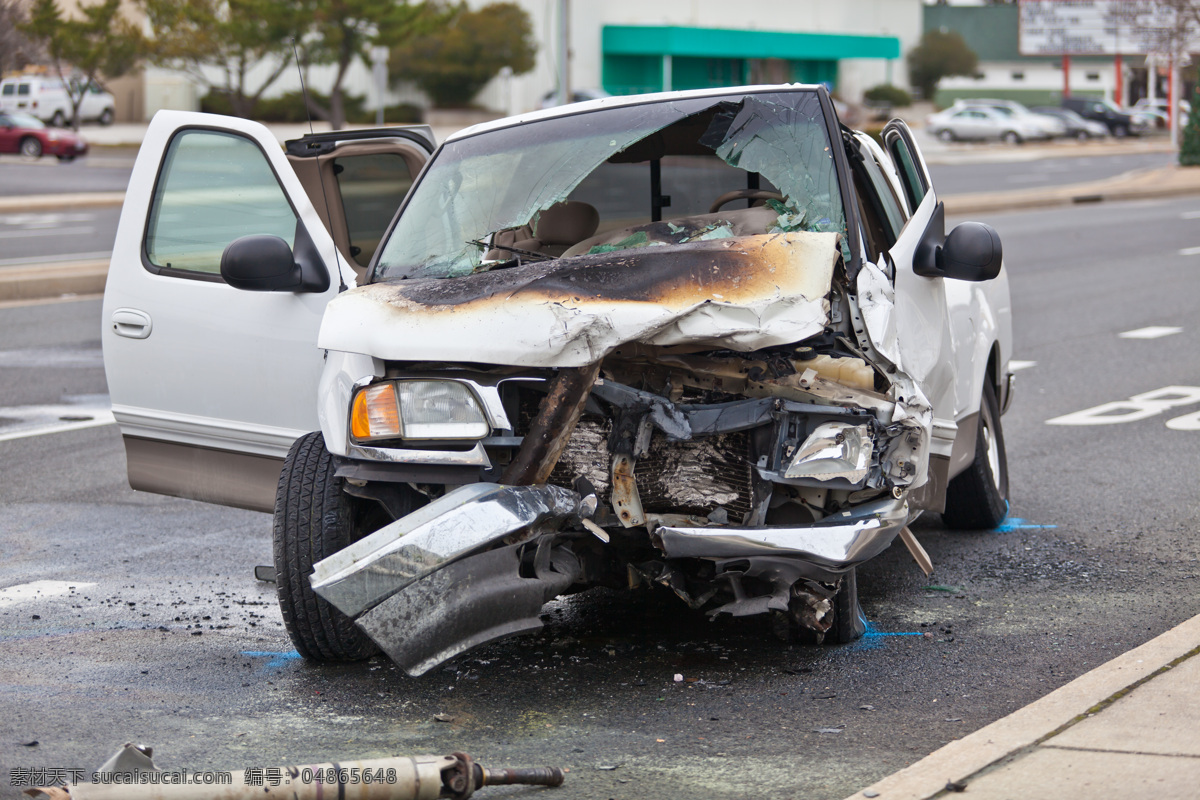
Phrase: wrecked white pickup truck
(710, 340)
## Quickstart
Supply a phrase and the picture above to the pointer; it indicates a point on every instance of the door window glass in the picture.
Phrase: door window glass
(23, 89)
(910, 172)
(9, 88)
(371, 187)
(214, 188)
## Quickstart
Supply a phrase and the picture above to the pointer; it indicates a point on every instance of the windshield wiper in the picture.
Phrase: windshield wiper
(533, 254)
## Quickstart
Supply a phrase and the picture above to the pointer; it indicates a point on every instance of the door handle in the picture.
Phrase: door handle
(131, 323)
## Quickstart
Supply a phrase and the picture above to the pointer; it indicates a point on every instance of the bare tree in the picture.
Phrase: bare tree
(16, 49)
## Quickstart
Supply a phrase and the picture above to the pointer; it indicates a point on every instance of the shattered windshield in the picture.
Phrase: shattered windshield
(639, 176)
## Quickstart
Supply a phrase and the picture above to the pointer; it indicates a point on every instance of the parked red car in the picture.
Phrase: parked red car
(29, 136)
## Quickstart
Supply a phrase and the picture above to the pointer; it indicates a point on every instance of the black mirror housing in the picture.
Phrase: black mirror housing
(972, 252)
(260, 263)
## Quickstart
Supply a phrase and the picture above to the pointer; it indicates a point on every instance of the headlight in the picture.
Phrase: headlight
(417, 410)
(833, 450)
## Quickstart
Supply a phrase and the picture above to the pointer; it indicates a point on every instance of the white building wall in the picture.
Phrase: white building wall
(1040, 75)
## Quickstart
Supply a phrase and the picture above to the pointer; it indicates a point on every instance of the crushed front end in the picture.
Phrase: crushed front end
(693, 402)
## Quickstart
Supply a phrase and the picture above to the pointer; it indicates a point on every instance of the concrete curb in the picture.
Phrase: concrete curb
(1041, 719)
(40, 281)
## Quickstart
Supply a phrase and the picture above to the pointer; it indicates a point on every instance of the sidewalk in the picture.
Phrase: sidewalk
(1129, 728)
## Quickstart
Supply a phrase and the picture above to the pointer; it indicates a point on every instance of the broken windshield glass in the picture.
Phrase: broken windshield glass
(708, 167)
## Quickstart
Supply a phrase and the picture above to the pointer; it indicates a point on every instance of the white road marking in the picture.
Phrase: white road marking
(1014, 365)
(1139, 407)
(21, 422)
(31, 232)
(38, 590)
(1190, 215)
(1190, 251)
(43, 220)
(1152, 332)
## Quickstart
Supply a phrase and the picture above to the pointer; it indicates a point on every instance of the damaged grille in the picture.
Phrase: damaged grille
(690, 477)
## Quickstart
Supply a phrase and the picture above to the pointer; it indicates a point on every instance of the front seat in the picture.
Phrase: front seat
(560, 226)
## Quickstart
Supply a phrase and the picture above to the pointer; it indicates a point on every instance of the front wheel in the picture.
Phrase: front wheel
(106, 116)
(978, 498)
(31, 147)
(1120, 131)
(946, 135)
(314, 519)
(59, 120)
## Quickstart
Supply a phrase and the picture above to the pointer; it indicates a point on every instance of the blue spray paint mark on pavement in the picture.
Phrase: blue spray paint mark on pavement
(1018, 524)
(277, 659)
(872, 639)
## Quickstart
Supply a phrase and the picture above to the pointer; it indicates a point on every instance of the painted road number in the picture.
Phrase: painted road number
(1140, 406)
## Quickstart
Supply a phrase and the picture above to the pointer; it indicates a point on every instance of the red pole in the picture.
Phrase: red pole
(1171, 95)
(1066, 66)
(1119, 88)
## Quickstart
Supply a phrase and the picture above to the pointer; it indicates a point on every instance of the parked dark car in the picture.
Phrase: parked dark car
(1077, 127)
(1119, 123)
(29, 136)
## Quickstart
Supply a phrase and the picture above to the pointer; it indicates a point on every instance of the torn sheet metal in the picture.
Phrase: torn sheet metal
(742, 293)
(130, 774)
(462, 522)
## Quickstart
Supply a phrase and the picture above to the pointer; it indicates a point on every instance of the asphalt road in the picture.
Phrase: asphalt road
(101, 172)
(166, 638)
(1006, 173)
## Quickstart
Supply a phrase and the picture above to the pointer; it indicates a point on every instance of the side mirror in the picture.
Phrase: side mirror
(260, 263)
(971, 252)
(264, 263)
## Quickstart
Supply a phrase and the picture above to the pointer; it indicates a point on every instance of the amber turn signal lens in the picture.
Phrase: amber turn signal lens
(374, 413)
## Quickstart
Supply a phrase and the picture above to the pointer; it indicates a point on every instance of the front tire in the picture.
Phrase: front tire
(314, 519)
(31, 147)
(849, 622)
(977, 499)
(946, 135)
(59, 120)
(107, 116)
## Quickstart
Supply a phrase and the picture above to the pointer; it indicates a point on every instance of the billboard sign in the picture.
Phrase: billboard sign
(1094, 27)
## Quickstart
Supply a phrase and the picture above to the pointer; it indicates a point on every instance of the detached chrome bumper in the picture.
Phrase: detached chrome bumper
(837, 542)
(454, 526)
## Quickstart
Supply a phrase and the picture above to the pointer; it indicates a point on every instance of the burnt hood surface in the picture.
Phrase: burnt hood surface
(741, 293)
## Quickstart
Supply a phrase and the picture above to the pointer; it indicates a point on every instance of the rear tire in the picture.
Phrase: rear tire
(978, 498)
(107, 116)
(31, 147)
(1011, 137)
(59, 120)
(314, 519)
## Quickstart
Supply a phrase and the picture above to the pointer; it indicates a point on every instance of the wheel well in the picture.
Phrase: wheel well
(993, 368)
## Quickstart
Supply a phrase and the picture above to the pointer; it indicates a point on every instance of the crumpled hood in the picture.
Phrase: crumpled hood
(742, 293)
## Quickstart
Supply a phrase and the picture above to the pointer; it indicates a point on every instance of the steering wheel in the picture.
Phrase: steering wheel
(743, 194)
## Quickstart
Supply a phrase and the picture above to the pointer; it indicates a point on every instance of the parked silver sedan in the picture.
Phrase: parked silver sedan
(981, 122)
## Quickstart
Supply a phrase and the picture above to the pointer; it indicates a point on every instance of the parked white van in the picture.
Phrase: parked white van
(48, 100)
